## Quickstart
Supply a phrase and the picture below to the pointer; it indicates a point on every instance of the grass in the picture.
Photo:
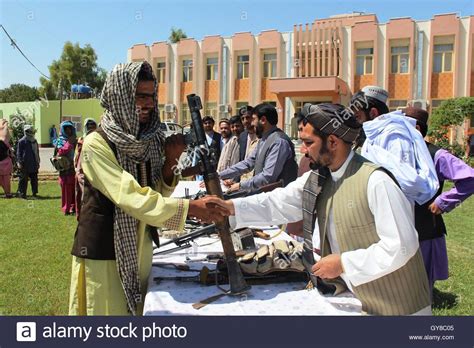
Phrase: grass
(36, 240)
(35, 244)
(455, 296)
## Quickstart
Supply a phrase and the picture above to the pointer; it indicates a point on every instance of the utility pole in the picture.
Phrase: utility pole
(60, 88)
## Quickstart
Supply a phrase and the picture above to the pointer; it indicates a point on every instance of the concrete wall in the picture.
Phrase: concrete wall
(46, 113)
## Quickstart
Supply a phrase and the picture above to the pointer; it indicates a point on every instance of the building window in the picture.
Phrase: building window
(271, 102)
(240, 104)
(299, 104)
(187, 70)
(395, 104)
(269, 65)
(161, 108)
(364, 58)
(243, 67)
(435, 103)
(211, 110)
(400, 60)
(185, 114)
(443, 58)
(160, 72)
(211, 73)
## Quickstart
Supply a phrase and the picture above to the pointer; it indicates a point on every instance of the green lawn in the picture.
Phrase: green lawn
(36, 239)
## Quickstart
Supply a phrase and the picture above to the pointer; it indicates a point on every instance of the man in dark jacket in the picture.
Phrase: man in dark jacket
(272, 160)
(213, 138)
(28, 159)
(249, 132)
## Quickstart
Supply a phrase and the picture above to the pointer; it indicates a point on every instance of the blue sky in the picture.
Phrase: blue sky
(40, 28)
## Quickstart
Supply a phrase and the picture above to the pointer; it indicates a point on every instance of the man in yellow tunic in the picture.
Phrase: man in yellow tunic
(128, 167)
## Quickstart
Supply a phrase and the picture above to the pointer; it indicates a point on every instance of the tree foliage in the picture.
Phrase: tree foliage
(451, 112)
(18, 93)
(17, 121)
(176, 35)
(77, 65)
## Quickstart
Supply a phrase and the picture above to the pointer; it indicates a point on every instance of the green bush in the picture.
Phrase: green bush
(451, 112)
(17, 121)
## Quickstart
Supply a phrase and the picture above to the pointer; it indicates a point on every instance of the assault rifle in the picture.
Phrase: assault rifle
(184, 242)
(213, 187)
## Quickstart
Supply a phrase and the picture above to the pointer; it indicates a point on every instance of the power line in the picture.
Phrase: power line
(13, 43)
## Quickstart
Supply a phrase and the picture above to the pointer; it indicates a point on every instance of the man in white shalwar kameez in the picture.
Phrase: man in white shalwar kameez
(392, 141)
(361, 223)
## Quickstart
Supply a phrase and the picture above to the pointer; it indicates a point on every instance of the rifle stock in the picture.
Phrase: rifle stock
(213, 187)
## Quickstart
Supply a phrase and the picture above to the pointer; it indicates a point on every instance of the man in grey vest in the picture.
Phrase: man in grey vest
(272, 160)
(358, 225)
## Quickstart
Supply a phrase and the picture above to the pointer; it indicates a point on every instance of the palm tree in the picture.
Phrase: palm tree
(176, 35)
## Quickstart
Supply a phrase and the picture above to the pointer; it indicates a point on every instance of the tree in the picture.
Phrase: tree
(451, 112)
(18, 93)
(77, 65)
(176, 35)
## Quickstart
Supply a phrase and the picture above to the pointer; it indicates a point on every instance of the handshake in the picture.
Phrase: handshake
(210, 209)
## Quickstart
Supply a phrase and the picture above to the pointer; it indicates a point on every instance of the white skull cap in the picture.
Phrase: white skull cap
(376, 92)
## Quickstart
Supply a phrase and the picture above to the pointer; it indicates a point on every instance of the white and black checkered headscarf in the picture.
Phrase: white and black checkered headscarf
(133, 146)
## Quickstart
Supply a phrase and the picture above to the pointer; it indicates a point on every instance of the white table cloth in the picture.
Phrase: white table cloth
(176, 298)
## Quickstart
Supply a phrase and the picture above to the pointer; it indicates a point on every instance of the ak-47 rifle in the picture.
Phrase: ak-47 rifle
(184, 242)
(213, 187)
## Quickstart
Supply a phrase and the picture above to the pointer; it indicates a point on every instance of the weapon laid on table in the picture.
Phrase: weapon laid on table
(213, 187)
(184, 242)
(220, 276)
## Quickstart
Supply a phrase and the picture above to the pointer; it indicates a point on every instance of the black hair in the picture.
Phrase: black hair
(299, 116)
(245, 109)
(423, 128)
(235, 119)
(145, 74)
(382, 108)
(268, 111)
(420, 115)
(208, 118)
(366, 103)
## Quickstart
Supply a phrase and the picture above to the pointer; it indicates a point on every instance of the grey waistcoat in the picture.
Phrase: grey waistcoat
(290, 168)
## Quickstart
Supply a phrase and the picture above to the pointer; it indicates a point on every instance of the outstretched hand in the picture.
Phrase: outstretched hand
(207, 210)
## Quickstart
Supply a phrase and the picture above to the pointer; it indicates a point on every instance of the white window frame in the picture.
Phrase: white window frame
(271, 63)
(187, 70)
(366, 60)
(443, 54)
(400, 56)
(244, 64)
(161, 72)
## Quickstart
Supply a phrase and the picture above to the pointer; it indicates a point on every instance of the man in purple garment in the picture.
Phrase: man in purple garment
(428, 220)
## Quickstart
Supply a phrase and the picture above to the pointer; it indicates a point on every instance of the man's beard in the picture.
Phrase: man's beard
(360, 139)
(317, 164)
(259, 130)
